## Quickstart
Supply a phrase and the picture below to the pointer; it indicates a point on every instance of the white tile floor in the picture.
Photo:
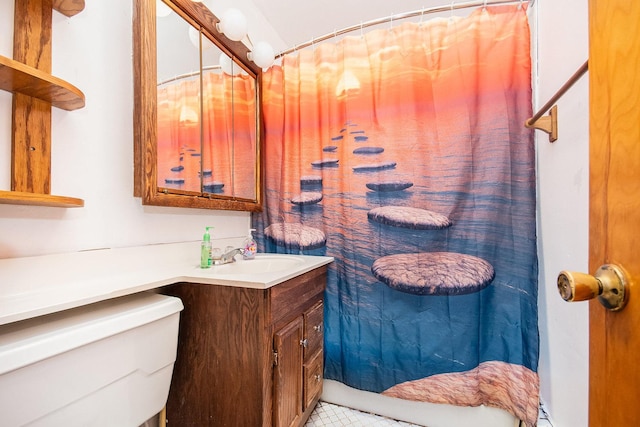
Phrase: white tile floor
(330, 415)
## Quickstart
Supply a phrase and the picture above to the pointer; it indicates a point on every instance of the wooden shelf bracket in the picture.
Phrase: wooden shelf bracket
(548, 124)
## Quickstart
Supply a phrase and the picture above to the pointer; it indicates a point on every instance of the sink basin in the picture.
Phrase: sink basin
(260, 264)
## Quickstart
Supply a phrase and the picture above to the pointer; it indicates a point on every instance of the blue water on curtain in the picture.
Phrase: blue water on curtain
(376, 337)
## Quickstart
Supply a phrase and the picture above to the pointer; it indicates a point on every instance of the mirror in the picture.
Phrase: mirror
(196, 121)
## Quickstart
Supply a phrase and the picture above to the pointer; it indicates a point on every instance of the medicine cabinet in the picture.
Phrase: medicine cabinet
(197, 132)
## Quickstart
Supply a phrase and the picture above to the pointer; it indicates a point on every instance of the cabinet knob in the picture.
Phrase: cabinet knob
(318, 377)
(304, 343)
(318, 328)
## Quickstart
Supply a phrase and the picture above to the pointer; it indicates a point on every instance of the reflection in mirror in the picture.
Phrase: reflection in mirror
(178, 145)
(198, 145)
(229, 127)
(244, 131)
(217, 140)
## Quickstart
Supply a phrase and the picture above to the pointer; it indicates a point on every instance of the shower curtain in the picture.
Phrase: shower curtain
(402, 153)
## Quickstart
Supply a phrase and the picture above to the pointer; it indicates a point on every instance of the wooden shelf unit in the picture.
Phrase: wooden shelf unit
(33, 199)
(17, 77)
(35, 91)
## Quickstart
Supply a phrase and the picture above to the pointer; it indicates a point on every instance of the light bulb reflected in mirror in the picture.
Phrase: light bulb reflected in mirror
(194, 36)
(233, 24)
(162, 9)
(227, 65)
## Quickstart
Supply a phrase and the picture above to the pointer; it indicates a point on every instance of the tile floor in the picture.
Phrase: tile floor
(330, 415)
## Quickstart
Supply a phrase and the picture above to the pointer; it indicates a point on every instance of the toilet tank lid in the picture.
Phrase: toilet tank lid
(29, 341)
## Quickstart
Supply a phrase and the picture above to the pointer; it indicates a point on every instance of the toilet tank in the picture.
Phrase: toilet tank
(104, 364)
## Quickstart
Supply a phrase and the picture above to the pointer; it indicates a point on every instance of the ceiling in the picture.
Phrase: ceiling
(300, 21)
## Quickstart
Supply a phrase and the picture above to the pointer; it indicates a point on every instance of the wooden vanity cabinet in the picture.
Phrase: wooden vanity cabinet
(298, 367)
(248, 357)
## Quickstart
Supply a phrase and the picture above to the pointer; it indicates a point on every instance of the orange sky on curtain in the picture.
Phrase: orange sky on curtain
(417, 65)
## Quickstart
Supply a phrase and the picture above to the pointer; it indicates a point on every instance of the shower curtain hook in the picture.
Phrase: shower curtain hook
(520, 5)
(451, 11)
(391, 22)
(421, 16)
(361, 32)
(484, 5)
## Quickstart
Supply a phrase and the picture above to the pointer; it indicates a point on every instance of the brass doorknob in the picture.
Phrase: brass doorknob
(609, 284)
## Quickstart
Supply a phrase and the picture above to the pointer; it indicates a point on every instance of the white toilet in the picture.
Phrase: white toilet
(105, 364)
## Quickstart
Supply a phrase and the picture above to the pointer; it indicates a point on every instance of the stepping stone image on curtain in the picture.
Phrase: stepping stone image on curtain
(307, 198)
(325, 163)
(389, 185)
(178, 181)
(294, 235)
(460, 388)
(214, 187)
(408, 217)
(434, 273)
(310, 181)
(374, 167)
(368, 150)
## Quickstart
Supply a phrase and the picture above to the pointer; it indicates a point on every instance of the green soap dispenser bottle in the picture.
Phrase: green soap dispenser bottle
(250, 246)
(205, 249)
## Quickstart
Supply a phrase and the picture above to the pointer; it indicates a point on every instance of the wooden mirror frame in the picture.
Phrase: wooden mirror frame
(145, 126)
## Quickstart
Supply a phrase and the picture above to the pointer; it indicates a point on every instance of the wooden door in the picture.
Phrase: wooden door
(287, 377)
(614, 86)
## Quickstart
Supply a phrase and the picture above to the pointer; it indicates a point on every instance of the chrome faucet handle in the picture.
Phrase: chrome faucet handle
(229, 255)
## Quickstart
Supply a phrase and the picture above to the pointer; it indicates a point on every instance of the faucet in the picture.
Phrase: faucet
(228, 256)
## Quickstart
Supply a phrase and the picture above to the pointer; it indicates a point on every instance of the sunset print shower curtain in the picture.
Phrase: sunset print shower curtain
(402, 153)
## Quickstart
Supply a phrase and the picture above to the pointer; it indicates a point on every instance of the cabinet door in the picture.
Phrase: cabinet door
(312, 380)
(314, 338)
(287, 381)
(313, 330)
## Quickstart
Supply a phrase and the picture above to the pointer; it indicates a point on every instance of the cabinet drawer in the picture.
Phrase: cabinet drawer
(293, 296)
(312, 379)
(313, 329)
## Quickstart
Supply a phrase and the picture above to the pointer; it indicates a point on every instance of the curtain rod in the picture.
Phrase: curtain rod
(191, 74)
(399, 16)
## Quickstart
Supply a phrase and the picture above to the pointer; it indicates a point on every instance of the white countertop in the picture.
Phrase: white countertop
(35, 286)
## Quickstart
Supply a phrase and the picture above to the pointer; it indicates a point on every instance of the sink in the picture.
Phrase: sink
(260, 264)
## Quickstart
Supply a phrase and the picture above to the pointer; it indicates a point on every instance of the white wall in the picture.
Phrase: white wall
(92, 148)
(563, 210)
